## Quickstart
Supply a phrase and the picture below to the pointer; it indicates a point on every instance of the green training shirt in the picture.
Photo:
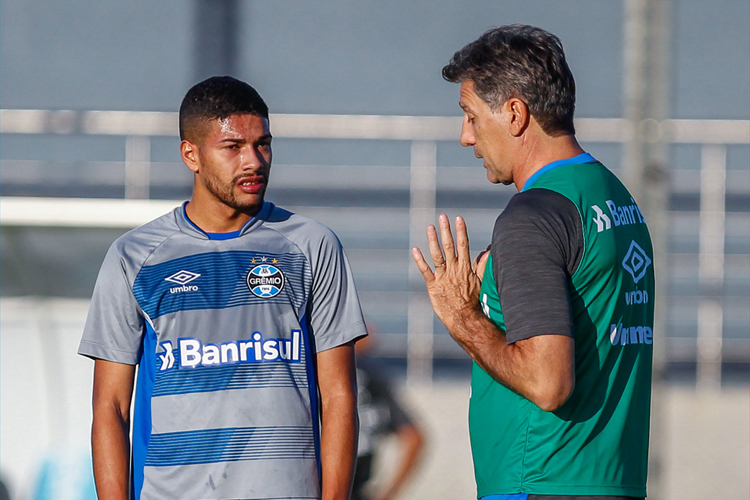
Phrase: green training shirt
(597, 442)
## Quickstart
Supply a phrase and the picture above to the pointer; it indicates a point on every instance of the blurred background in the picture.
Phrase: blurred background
(366, 141)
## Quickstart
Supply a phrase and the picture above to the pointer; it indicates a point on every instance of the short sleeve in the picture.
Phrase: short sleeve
(537, 244)
(114, 326)
(335, 312)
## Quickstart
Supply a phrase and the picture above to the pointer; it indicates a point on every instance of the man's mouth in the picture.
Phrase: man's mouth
(253, 184)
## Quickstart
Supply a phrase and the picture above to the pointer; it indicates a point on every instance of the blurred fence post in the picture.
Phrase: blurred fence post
(646, 89)
(137, 166)
(55, 384)
(422, 187)
(216, 28)
(711, 266)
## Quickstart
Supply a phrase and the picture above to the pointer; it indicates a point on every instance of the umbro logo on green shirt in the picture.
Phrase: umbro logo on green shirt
(636, 261)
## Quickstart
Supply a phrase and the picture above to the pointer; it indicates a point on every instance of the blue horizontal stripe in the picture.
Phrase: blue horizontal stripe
(219, 378)
(231, 445)
(221, 284)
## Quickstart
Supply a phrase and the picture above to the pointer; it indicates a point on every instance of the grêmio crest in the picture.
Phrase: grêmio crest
(265, 281)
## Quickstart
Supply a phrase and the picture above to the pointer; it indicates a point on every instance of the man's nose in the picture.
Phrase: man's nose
(253, 157)
(467, 134)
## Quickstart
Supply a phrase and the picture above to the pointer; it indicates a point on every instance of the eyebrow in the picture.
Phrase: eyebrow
(263, 138)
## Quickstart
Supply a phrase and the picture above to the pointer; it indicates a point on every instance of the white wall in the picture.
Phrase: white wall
(45, 387)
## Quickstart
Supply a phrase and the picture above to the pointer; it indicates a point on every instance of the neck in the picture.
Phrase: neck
(541, 150)
(217, 217)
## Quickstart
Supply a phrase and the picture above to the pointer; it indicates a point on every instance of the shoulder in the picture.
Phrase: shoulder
(538, 210)
(539, 222)
(538, 203)
(302, 231)
(137, 244)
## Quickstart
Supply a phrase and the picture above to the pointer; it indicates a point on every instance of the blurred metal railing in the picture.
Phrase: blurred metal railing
(424, 133)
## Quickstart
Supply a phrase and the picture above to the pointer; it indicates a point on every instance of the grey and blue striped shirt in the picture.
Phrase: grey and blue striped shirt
(224, 330)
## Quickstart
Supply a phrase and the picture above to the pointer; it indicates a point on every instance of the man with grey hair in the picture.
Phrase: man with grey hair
(558, 314)
(241, 318)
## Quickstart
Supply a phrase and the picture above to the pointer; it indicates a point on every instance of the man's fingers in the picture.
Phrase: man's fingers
(462, 243)
(447, 237)
(435, 252)
(422, 265)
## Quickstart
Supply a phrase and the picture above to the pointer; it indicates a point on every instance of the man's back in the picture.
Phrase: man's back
(596, 443)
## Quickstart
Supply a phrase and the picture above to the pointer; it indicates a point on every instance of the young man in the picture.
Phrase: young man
(241, 317)
(558, 315)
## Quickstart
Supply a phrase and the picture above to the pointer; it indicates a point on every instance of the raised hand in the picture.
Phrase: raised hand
(453, 286)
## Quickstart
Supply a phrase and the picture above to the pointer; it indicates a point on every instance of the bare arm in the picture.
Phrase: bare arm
(539, 368)
(410, 442)
(338, 393)
(110, 432)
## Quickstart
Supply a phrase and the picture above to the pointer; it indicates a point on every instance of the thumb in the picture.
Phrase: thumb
(480, 263)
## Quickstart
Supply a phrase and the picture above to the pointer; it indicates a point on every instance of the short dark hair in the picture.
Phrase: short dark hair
(524, 62)
(216, 98)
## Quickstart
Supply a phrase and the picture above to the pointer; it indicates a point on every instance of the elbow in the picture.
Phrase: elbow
(412, 437)
(550, 404)
(552, 397)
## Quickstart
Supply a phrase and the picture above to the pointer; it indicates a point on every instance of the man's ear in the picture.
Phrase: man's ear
(518, 116)
(190, 155)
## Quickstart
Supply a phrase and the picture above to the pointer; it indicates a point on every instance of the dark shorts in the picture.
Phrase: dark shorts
(361, 475)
